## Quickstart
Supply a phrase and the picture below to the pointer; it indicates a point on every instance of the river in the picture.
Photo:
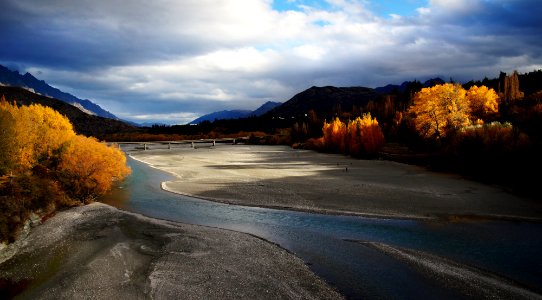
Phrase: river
(505, 249)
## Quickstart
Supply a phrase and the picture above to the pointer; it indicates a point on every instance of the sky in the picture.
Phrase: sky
(171, 61)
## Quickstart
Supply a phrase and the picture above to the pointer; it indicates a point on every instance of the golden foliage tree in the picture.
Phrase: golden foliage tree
(360, 137)
(7, 139)
(484, 102)
(34, 134)
(365, 136)
(334, 134)
(50, 161)
(88, 167)
(440, 109)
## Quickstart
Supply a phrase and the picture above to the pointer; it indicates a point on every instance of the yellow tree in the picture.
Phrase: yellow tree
(88, 168)
(23, 139)
(53, 131)
(440, 109)
(8, 140)
(38, 132)
(483, 102)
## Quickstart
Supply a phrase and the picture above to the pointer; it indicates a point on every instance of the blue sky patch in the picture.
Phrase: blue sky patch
(382, 7)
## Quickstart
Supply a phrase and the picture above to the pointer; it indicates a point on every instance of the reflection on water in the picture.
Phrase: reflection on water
(510, 249)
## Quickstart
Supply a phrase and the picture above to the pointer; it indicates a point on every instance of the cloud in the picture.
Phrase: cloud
(168, 59)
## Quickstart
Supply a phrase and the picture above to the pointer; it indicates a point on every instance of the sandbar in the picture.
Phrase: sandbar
(285, 178)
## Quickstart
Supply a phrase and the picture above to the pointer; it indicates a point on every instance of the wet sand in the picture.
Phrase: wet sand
(99, 252)
(281, 177)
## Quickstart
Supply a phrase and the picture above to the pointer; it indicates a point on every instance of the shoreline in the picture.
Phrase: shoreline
(433, 213)
(108, 252)
(453, 218)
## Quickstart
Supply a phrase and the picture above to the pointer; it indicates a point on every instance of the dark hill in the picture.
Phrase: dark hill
(267, 106)
(222, 115)
(324, 101)
(83, 123)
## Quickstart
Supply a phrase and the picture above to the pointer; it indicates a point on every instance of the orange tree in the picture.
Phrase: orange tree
(360, 137)
(439, 110)
(364, 136)
(334, 134)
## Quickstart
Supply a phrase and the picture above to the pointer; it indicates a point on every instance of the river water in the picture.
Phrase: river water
(507, 249)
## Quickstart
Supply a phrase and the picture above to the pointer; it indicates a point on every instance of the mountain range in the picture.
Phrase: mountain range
(31, 83)
(237, 114)
(320, 99)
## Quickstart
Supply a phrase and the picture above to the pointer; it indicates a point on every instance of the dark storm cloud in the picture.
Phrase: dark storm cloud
(179, 59)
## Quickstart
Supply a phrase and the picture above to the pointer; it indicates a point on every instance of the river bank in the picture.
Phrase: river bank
(97, 251)
(284, 178)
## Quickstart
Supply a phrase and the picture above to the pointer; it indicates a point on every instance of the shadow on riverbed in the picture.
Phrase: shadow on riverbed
(305, 180)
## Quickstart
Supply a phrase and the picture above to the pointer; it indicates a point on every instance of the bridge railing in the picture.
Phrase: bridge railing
(147, 145)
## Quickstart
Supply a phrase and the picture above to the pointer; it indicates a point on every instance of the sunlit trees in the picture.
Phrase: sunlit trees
(38, 138)
(334, 134)
(440, 109)
(7, 139)
(52, 166)
(365, 137)
(360, 137)
(484, 102)
(32, 134)
(88, 168)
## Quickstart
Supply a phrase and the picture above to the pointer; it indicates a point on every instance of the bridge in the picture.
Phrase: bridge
(193, 143)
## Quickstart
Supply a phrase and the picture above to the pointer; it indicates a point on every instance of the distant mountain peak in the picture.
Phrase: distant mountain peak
(29, 82)
(237, 114)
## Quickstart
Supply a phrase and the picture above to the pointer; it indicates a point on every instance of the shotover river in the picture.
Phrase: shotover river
(365, 257)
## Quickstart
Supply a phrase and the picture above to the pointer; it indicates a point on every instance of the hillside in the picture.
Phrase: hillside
(222, 115)
(83, 123)
(13, 78)
(324, 101)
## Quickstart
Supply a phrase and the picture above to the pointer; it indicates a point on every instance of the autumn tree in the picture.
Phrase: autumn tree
(52, 165)
(7, 139)
(34, 135)
(38, 136)
(334, 134)
(360, 137)
(439, 110)
(484, 102)
(365, 137)
(88, 168)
